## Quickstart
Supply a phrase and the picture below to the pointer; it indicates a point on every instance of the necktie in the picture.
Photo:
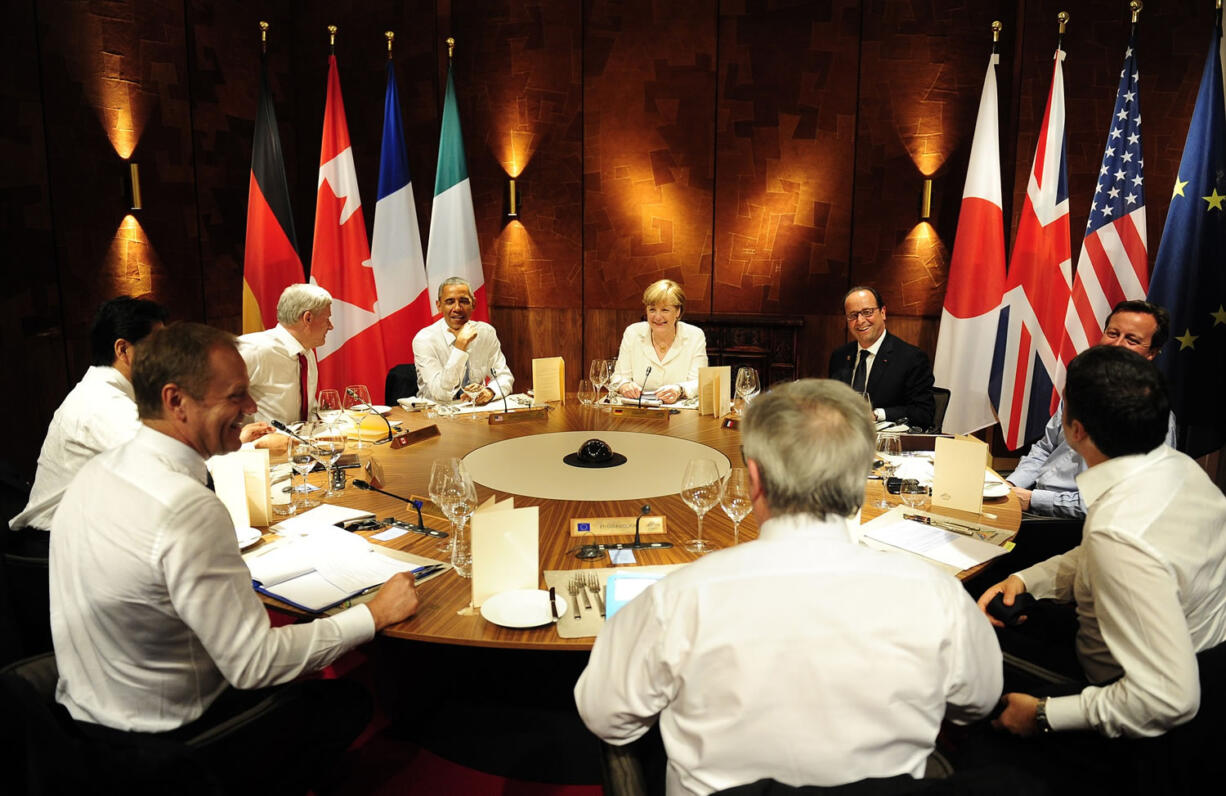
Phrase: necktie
(857, 381)
(302, 387)
(208, 481)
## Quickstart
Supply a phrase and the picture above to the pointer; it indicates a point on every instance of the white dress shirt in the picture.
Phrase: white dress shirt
(872, 350)
(272, 367)
(1149, 579)
(98, 414)
(679, 366)
(152, 609)
(442, 368)
(799, 656)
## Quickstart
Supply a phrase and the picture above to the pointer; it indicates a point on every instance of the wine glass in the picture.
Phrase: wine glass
(735, 500)
(440, 474)
(610, 368)
(587, 392)
(700, 490)
(889, 447)
(327, 445)
(746, 386)
(459, 500)
(913, 493)
(302, 461)
(357, 404)
(328, 406)
(598, 374)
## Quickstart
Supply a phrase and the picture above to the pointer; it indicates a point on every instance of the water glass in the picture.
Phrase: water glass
(735, 499)
(587, 393)
(700, 489)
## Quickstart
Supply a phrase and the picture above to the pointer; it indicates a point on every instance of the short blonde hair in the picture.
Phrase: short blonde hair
(664, 293)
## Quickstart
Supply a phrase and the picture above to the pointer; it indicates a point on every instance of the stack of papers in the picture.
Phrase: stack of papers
(955, 550)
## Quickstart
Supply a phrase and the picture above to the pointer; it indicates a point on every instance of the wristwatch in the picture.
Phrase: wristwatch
(1040, 716)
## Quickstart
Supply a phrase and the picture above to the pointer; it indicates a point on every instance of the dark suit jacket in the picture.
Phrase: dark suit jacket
(900, 382)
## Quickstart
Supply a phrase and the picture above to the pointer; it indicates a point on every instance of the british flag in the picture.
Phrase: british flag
(1113, 265)
(1025, 364)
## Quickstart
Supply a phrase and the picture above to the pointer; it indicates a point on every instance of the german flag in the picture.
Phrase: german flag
(270, 260)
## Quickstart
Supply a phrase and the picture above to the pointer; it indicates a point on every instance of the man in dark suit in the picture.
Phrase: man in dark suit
(897, 376)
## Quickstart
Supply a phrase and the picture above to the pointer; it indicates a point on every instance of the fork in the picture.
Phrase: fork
(573, 588)
(582, 584)
(593, 583)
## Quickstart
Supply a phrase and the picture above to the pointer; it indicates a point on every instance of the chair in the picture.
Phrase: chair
(401, 383)
(60, 757)
(940, 401)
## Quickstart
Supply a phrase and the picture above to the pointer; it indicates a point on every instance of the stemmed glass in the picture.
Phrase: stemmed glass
(327, 445)
(357, 404)
(746, 386)
(610, 367)
(599, 374)
(735, 500)
(302, 461)
(440, 474)
(889, 447)
(328, 406)
(458, 499)
(700, 490)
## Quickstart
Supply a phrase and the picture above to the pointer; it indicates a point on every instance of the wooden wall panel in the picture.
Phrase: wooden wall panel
(785, 151)
(649, 95)
(521, 100)
(531, 333)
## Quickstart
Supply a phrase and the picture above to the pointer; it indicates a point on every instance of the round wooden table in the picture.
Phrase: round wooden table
(407, 472)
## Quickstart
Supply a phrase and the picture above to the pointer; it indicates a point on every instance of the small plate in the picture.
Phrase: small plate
(522, 608)
(247, 537)
(996, 489)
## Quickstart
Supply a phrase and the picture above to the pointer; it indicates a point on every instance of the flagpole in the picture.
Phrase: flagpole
(263, 37)
(332, 39)
(451, 46)
(1062, 19)
(389, 35)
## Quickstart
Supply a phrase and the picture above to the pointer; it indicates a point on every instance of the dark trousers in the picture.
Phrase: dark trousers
(285, 739)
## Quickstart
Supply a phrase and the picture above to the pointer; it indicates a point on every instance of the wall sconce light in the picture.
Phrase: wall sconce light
(512, 198)
(926, 200)
(132, 187)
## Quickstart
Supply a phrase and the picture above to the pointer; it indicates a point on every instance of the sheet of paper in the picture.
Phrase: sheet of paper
(390, 534)
(938, 544)
(548, 380)
(318, 517)
(506, 550)
(714, 390)
(957, 479)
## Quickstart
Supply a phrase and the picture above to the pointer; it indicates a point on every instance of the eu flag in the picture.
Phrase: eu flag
(1190, 273)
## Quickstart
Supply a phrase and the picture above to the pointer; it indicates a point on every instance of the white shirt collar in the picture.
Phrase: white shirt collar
(109, 375)
(1098, 480)
(177, 455)
(288, 340)
(876, 346)
(787, 526)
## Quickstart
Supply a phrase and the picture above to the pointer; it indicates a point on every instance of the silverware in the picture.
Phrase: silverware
(573, 588)
(947, 525)
(593, 583)
(553, 605)
(582, 584)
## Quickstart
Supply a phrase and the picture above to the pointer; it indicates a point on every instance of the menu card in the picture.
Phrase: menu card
(714, 390)
(506, 549)
(240, 480)
(957, 480)
(548, 380)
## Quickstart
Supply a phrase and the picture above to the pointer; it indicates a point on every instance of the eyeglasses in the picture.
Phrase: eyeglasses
(865, 314)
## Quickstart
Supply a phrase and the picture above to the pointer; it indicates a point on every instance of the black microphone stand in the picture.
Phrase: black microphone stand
(643, 389)
(371, 410)
(420, 527)
(494, 378)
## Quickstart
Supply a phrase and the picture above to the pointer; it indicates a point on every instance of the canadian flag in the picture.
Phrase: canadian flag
(340, 260)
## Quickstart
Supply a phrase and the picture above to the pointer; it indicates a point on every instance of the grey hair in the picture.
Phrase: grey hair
(813, 441)
(299, 299)
(454, 280)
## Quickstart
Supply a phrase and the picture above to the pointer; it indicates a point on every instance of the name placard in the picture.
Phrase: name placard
(519, 416)
(651, 524)
(644, 412)
(413, 437)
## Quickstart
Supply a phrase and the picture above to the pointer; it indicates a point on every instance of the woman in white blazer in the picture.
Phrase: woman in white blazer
(662, 354)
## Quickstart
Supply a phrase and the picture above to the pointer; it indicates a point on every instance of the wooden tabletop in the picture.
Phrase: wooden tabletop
(407, 472)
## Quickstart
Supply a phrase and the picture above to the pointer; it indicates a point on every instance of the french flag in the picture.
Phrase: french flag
(967, 337)
(404, 304)
(1026, 370)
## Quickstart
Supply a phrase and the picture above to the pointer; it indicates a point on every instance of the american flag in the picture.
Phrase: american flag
(1113, 266)
(1026, 363)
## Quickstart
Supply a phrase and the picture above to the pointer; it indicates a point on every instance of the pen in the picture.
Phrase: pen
(418, 574)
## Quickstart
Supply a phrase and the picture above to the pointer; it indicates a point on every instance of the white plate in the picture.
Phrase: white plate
(996, 489)
(247, 537)
(521, 608)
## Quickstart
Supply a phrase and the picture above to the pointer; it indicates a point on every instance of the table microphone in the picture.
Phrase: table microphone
(370, 410)
(494, 378)
(638, 543)
(643, 389)
(279, 426)
(361, 484)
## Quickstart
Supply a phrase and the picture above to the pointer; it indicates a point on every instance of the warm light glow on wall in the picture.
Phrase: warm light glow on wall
(117, 118)
(131, 260)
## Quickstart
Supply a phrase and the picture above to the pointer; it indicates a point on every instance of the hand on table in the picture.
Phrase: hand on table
(669, 393)
(253, 431)
(1018, 716)
(275, 443)
(1011, 587)
(483, 397)
(1023, 497)
(630, 390)
(395, 601)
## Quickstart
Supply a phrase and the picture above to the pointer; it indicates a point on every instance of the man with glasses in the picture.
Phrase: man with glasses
(896, 376)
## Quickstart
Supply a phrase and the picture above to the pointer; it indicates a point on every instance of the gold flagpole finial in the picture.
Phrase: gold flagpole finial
(332, 35)
(263, 36)
(389, 35)
(1136, 6)
(450, 46)
(996, 29)
(1062, 18)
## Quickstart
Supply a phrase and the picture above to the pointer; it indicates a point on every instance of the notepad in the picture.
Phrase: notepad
(548, 380)
(506, 549)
